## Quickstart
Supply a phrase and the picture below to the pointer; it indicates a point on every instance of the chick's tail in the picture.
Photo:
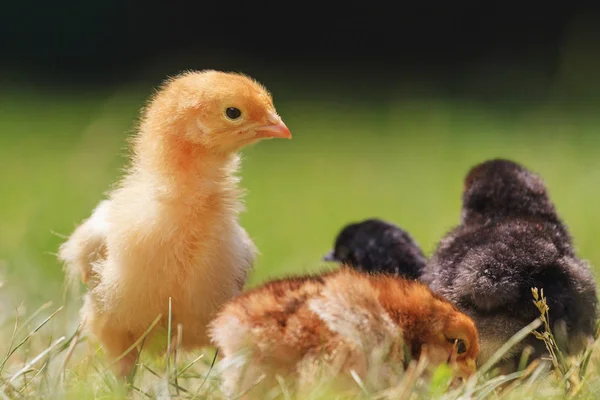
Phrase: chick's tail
(86, 247)
(487, 286)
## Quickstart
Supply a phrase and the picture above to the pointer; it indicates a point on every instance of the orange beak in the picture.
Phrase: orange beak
(467, 367)
(277, 130)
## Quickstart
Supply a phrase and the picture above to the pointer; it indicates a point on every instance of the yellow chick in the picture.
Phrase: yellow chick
(170, 228)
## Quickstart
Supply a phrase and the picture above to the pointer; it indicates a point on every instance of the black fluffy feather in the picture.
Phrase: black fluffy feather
(510, 240)
(377, 246)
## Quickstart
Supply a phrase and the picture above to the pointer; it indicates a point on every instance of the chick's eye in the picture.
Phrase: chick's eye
(233, 112)
(460, 344)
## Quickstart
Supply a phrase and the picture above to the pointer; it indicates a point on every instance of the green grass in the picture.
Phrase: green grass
(402, 160)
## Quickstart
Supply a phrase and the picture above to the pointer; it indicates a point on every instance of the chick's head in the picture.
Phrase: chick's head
(455, 342)
(217, 110)
(499, 188)
(374, 245)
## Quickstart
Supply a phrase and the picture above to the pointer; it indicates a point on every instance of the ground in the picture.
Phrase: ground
(401, 160)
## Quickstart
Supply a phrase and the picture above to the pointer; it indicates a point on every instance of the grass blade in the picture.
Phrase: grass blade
(73, 342)
(11, 342)
(516, 338)
(137, 342)
(176, 351)
(44, 322)
(169, 321)
(139, 390)
(35, 314)
(495, 383)
(360, 383)
(191, 364)
(134, 370)
(283, 387)
(254, 384)
(33, 378)
(531, 368)
(158, 376)
(35, 360)
(212, 364)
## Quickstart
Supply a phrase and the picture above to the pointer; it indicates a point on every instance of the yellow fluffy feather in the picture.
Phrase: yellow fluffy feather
(170, 228)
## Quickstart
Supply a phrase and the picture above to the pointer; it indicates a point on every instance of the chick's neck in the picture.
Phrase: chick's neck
(185, 171)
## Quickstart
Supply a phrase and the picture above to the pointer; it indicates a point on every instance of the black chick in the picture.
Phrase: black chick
(376, 246)
(510, 240)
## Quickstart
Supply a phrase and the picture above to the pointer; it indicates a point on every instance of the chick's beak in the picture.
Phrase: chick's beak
(329, 256)
(469, 367)
(277, 129)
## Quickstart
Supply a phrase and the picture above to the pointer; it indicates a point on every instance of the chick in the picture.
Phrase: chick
(378, 246)
(340, 318)
(170, 228)
(510, 240)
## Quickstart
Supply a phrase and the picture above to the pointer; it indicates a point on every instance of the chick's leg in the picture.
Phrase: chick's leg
(231, 374)
(115, 343)
(245, 379)
(115, 340)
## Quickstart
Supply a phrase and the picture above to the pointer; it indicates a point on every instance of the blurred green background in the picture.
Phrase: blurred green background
(373, 140)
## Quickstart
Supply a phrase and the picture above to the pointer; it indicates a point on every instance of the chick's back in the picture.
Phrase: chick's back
(286, 319)
(278, 312)
(343, 318)
(511, 240)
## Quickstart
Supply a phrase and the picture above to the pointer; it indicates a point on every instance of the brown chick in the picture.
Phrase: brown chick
(170, 228)
(340, 319)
